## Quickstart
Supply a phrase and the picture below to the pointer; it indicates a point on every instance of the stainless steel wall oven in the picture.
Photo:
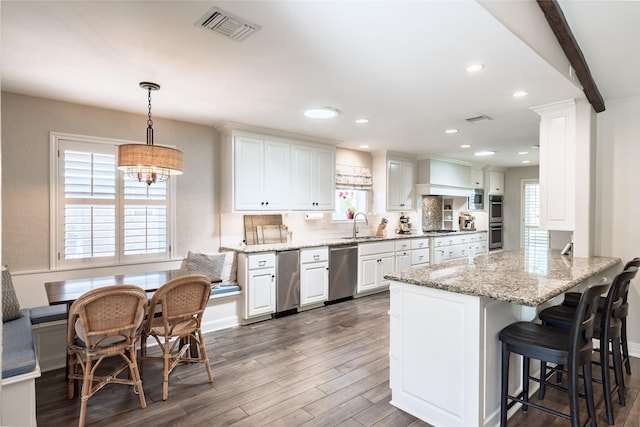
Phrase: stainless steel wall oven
(495, 236)
(495, 222)
(495, 208)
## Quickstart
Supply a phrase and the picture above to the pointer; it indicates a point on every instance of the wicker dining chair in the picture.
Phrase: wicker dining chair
(178, 307)
(104, 322)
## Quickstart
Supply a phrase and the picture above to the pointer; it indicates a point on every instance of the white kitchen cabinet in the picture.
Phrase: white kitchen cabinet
(261, 174)
(257, 278)
(477, 178)
(312, 178)
(456, 246)
(400, 185)
(393, 182)
(496, 182)
(403, 255)
(557, 165)
(374, 261)
(419, 252)
(314, 276)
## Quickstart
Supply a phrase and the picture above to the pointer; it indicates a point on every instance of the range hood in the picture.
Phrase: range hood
(442, 178)
(442, 190)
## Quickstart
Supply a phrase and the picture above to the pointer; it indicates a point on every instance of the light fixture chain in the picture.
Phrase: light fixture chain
(149, 121)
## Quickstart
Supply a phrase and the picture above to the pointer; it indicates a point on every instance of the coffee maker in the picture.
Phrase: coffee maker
(467, 222)
(404, 226)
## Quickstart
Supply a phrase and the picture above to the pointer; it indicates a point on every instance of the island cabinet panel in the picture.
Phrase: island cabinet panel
(444, 355)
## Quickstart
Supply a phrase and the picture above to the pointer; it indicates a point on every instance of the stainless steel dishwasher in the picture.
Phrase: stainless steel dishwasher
(343, 272)
(288, 282)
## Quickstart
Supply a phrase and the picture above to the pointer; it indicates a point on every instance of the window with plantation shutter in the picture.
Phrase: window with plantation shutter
(532, 236)
(100, 216)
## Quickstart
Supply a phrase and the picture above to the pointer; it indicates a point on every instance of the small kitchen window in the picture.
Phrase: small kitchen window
(352, 189)
(348, 202)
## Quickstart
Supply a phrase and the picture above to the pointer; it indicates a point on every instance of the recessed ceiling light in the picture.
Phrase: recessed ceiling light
(321, 112)
(484, 153)
(465, 146)
(526, 161)
(520, 93)
(474, 68)
(523, 152)
(364, 146)
(362, 121)
(451, 131)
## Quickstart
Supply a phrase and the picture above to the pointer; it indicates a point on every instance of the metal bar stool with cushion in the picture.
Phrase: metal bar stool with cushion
(180, 304)
(553, 345)
(571, 300)
(104, 322)
(607, 329)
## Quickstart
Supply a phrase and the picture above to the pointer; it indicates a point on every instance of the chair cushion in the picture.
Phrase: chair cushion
(221, 265)
(18, 355)
(10, 303)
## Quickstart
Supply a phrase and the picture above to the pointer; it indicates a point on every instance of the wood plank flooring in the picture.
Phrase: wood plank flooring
(322, 367)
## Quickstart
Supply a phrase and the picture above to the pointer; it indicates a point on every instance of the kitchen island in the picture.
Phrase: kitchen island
(444, 348)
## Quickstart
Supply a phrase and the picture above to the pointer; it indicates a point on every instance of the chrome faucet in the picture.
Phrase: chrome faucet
(355, 228)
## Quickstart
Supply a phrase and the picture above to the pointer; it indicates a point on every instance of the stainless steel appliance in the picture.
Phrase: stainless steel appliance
(466, 222)
(343, 272)
(288, 282)
(476, 200)
(495, 235)
(495, 208)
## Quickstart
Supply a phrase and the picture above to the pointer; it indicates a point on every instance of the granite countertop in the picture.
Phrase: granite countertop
(525, 277)
(334, 241)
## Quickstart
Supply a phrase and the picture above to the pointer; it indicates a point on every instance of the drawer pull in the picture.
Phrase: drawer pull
(262, 263)
(316, 257)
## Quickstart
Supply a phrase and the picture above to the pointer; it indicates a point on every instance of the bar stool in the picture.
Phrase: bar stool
(571, 300)
(549, 344)
(607, 329)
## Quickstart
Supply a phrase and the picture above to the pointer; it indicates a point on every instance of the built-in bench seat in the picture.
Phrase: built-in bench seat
(19, 371)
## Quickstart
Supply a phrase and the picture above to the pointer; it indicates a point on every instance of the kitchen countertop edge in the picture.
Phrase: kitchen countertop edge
(334, 241)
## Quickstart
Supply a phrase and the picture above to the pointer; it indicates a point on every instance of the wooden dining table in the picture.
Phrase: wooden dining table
(67, 291)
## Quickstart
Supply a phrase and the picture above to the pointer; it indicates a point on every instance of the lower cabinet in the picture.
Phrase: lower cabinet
(374, 261)
(458, 246)
(314, 276)
(257, 277)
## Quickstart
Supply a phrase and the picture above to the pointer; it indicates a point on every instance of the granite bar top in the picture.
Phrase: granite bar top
(525, 277)
(333, 241)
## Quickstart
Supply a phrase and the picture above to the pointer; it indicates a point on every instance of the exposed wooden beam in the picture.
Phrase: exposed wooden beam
(560, 28)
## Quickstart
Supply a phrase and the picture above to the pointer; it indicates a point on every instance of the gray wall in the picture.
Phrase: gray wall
(513, 203)
(26, 123)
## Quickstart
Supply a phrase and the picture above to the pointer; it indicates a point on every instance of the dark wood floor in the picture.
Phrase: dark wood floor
(323, 367)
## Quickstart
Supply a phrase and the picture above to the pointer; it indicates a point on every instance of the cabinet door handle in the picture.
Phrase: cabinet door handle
(273, 276)
(266, 203)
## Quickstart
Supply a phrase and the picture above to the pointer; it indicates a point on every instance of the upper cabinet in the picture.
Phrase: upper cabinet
(393, 182)
(312, 178)
(496, 182)
(400, 183)
(261, 174)
(265, 173)
(557, 165)
(477, 178)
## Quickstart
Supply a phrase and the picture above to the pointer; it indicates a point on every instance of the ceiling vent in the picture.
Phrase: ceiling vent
(478, 119)
(230, 26)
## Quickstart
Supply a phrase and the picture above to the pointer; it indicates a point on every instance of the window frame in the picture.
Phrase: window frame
(523, 232)
(57, 204)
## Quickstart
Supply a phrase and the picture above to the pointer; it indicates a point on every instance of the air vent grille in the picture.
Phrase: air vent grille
(478, 119)
(230, 26)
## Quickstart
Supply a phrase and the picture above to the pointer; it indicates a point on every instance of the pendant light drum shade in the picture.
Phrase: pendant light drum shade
(148, 162)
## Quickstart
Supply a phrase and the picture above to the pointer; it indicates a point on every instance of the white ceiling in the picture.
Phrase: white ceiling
(400, 64)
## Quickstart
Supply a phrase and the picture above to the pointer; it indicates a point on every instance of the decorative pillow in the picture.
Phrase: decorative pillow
(211, 264)
(10, 304)
(230, 267)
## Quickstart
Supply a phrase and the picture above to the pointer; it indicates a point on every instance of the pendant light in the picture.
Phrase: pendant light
(148, 162)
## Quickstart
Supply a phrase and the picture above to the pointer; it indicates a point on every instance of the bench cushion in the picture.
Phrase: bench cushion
(225, 288)
(18, 352)
(48, 313)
